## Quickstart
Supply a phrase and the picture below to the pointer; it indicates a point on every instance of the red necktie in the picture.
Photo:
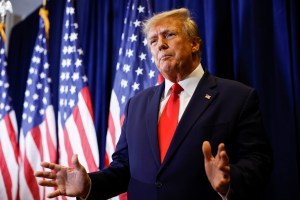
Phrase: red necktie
(168, 121)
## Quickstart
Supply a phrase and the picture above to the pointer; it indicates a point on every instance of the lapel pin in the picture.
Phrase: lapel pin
(207, 96)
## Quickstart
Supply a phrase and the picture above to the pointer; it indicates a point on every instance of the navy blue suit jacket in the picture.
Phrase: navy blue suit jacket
(219, 111)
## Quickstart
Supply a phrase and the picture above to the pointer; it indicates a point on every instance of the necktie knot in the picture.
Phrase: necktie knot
(176, 88)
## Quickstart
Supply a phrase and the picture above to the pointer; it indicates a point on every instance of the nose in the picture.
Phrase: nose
(162, 44)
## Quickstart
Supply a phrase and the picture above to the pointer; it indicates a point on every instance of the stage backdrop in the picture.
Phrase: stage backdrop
(252, 41)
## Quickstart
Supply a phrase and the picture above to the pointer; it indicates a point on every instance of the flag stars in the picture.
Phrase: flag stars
(36, 60)
(67, 24)
(123, 99)
(35, 96)
(70, 10)
(135, 86)
(39, 86)
(46, 89)
(139, 71)
(42, 111)
(84, 78)
(75, 25)
(137, 23)
(133, 38)
(126, 68)
(78, 63)
(29, 120)
(66, 37)
(7, 107)
(151, 73)
(73, 36)
(80, 51)
(45, 101)
(62, 89)
(145, 42)
(73, 89)
(120, 51)
(63, 76)
(43, 75)
(32, 70)
(24, 116)
(65, 115)
(142, 56)
(67, 75)
(124, 83)
(75, 76)
(32, 108)
(129, 53)
(4, 95)
(71, 103)
(29, 81)
(152, 59)
(141, 9)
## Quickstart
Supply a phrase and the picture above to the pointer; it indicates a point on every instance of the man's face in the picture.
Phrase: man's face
(171, 49)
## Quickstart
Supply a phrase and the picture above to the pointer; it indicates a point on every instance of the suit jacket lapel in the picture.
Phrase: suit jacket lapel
(202, 97)
(152, 119)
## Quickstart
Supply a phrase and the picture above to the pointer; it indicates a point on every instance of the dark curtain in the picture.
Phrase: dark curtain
(252, 41)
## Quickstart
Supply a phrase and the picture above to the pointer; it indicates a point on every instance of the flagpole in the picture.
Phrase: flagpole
(5, 6)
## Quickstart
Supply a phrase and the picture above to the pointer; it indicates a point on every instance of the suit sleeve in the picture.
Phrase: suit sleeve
(250, 168)
(113, 180)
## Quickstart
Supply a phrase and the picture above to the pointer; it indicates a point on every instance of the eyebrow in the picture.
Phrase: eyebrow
(167, 30)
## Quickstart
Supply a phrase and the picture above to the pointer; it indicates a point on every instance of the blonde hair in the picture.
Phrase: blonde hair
(189, 25)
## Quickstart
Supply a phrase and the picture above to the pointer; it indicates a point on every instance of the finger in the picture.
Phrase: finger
(206, 149)
(54, 194)
(76, 162)
(221, 148)
(47, 183)
(44, 174)
(51, 166)
(224, 156)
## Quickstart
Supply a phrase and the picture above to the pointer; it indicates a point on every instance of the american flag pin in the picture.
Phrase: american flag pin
(207, 96)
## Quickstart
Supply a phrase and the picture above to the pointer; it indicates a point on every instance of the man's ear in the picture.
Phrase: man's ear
(195, 46)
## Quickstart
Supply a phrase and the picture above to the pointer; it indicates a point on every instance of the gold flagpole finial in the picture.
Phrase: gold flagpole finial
(44, 14)
(2, 31)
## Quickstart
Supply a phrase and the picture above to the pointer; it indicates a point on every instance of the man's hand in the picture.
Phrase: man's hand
(217, 168)
(68, 181)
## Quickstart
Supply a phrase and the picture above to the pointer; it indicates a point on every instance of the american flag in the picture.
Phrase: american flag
(8, 135)
(77, 132)
(135, 70)
(38, 132)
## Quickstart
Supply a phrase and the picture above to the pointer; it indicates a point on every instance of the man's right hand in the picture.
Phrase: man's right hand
(68, 181)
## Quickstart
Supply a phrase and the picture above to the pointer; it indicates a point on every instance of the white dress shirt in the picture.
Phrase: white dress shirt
(189, 85)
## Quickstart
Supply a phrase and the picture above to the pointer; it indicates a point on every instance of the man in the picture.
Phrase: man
(217, 150)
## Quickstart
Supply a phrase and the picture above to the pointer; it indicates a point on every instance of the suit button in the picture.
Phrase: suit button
(158, 184)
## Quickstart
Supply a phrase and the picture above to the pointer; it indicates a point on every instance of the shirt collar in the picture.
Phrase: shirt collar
(189, 84)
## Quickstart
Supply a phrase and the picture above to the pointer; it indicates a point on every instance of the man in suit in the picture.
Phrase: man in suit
(218, 149)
